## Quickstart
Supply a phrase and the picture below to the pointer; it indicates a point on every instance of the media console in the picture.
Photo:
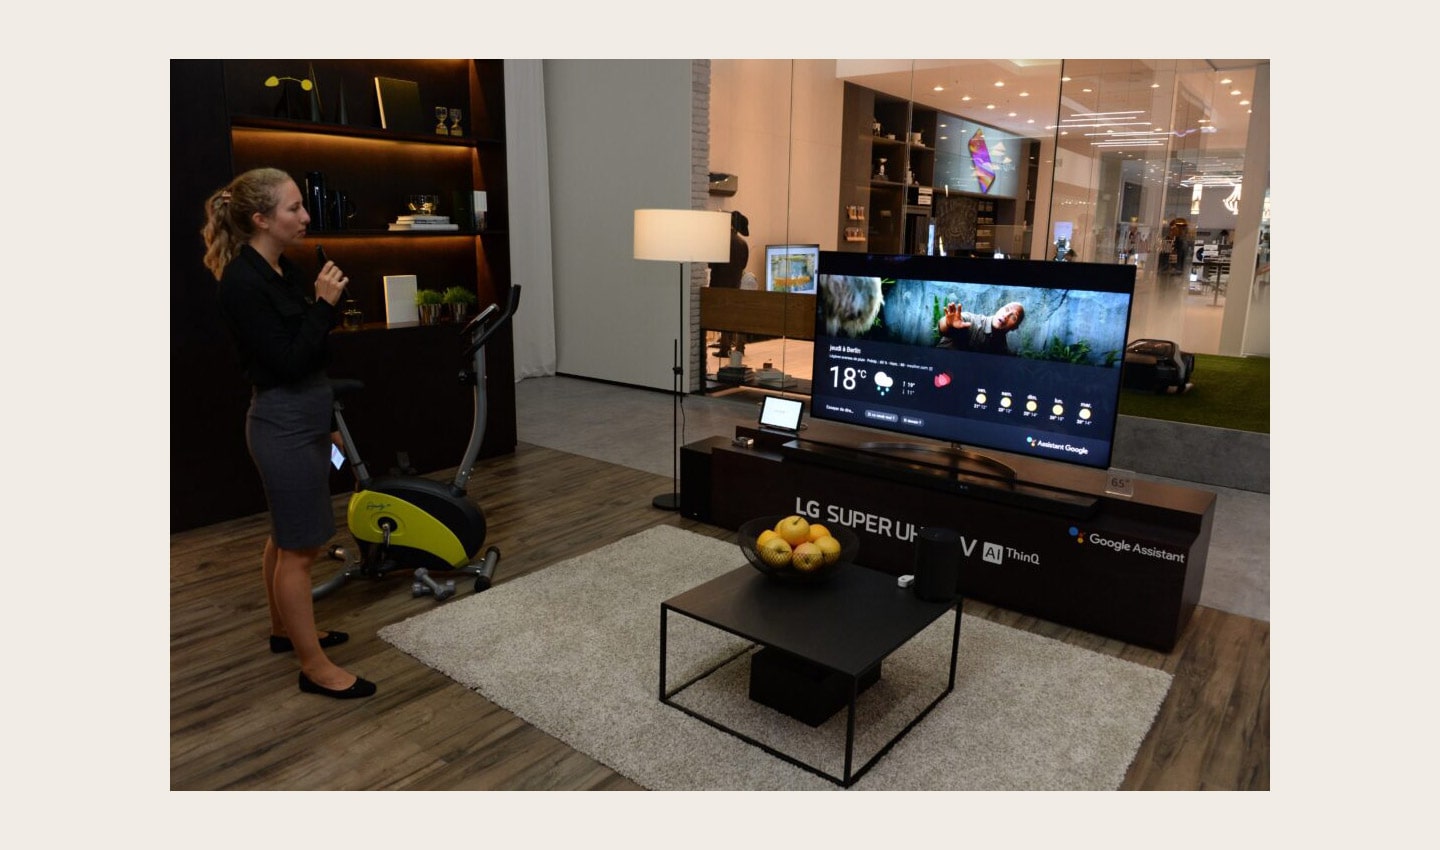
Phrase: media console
(1051, 542)
(941, 476)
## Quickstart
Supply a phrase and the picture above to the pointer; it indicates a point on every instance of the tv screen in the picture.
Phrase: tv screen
(791, 268)
(1020, 356)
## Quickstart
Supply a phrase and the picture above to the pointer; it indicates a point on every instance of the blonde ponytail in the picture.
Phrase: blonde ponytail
(229, 212)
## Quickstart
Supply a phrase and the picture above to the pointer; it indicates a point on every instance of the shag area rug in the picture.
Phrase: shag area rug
(574, 650)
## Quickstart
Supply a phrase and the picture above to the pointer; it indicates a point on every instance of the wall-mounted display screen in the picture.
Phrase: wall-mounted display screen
(1021, 356)
(791, 268)
(975, 158)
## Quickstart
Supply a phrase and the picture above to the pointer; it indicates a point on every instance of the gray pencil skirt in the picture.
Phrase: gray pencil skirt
(288, 432)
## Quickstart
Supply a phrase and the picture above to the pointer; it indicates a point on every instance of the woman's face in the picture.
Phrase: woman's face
(286, 224)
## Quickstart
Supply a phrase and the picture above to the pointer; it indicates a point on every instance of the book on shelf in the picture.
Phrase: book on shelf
(424, 219)
(400, 299)
(399, 102)
(734, 374)
(408, 225)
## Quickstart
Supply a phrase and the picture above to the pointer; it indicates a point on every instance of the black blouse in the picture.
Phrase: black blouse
(279, 329)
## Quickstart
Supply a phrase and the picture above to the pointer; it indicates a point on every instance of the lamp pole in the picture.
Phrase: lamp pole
(681, 236)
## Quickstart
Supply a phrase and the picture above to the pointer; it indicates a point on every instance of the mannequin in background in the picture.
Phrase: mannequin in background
(727, 275)
(1180, 246)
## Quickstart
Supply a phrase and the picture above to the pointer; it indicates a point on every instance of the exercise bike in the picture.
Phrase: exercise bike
(409, 522)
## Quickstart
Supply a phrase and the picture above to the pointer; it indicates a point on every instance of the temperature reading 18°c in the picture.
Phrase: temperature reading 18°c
(845, 378)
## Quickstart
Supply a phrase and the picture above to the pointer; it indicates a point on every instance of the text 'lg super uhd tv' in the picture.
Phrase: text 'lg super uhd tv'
(1019, 356)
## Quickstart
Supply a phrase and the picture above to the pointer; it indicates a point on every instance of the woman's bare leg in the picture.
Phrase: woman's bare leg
(290, 593)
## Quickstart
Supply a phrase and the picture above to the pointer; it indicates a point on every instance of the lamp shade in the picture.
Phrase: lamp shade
(682, 236)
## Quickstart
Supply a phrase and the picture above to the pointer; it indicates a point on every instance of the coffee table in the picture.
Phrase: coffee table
(847, 625)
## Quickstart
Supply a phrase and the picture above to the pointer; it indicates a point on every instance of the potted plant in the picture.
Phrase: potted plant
(429, 301)
(460, 300)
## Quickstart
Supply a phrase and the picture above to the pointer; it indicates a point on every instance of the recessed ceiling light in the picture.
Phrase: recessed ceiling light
(1087, 91)
(1244, 103)
(1024, 94)
(999, 84)
(1227, 81)
(1234, 91)
(989, 106)
(1012, 115)
(966, 98)
(939, 88)
(1154, 85)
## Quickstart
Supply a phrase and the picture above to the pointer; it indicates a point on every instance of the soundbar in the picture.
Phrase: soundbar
(1061, 502)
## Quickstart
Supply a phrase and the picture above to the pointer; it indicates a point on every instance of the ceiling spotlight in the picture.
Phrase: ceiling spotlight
(999, 84)
(938, 88)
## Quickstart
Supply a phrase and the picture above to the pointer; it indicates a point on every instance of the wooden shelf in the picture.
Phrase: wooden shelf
(290, 125)
(771, 314)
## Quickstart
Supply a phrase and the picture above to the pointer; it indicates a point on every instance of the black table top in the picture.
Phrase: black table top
(848, 623)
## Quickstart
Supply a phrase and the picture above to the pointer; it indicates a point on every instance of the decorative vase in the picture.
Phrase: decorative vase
(430, 314)
(458, 312)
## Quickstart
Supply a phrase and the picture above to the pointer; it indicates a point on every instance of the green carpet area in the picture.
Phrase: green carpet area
(1229, 392)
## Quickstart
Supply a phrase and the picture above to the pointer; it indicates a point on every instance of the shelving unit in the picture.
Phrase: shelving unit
(224, 120)
(901, 208)
(985, 225)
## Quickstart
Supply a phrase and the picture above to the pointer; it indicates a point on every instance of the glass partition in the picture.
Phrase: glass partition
(1110, 161)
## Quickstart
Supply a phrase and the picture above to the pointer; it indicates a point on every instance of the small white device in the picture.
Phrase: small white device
(781, 414)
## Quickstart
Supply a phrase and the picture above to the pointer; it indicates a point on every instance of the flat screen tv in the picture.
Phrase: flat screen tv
(791, 268)
(1019, 356)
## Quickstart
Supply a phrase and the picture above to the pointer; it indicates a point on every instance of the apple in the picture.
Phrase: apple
(807, 556)
(795, 529)
(830, 547)
(774, 551)
(818, 531)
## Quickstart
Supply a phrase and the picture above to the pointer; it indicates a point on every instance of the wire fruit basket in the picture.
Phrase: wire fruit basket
(785, 565)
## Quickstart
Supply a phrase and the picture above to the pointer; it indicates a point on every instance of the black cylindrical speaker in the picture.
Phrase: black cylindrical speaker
(937, 564)
(317, 200)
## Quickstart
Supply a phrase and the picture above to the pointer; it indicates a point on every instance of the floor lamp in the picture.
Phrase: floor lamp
(680, 236)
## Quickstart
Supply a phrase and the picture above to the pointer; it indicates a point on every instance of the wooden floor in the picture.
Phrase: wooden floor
(238, 721)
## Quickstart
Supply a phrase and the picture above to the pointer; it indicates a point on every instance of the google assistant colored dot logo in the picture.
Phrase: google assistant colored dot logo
(1075, 533)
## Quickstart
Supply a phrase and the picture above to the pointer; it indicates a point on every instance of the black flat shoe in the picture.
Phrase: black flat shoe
(361, 688)
(284, 644)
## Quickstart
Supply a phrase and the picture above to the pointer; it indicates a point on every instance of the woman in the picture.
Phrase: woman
(280, 330)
